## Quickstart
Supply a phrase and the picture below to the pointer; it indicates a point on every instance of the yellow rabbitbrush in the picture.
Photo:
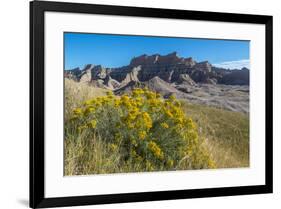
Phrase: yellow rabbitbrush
(144, 129)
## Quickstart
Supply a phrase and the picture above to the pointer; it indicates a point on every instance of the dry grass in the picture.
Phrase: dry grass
(76, 93)
(225, 134)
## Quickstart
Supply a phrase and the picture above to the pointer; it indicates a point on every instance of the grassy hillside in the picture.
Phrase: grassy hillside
(223, 140)
(225, 134)
(76, 93)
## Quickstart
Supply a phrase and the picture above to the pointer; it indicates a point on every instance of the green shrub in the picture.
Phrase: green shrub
(141, 129)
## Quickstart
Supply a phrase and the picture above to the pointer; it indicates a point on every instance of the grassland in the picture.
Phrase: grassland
(225, 134)
(76, 93)
(223, 140)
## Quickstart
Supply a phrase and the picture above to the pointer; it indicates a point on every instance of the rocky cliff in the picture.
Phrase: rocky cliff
(170, 68)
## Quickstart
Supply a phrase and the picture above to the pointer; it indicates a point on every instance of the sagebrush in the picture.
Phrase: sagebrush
(137, 132)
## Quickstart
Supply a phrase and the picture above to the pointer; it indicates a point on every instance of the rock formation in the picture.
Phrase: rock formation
(198, 82)
(170, 68)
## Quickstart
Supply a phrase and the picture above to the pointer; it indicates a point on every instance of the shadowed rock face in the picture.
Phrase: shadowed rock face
(199, 82)
(73, 74)
(236, 77)
(169, 68)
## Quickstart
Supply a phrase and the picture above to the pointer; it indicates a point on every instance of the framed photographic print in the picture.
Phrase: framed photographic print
(135, 104)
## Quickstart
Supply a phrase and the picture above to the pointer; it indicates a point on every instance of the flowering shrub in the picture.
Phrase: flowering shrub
(144, 129)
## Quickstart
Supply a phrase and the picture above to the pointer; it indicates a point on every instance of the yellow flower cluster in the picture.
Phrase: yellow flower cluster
(155, 149)
(165, 125)
(147, 120)
(143, 126)
(142, 134)
(77, 112)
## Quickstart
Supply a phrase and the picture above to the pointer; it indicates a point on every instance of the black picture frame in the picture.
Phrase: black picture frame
(37, 169)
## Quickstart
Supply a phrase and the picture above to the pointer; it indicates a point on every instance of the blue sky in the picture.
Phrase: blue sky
(117, 50)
